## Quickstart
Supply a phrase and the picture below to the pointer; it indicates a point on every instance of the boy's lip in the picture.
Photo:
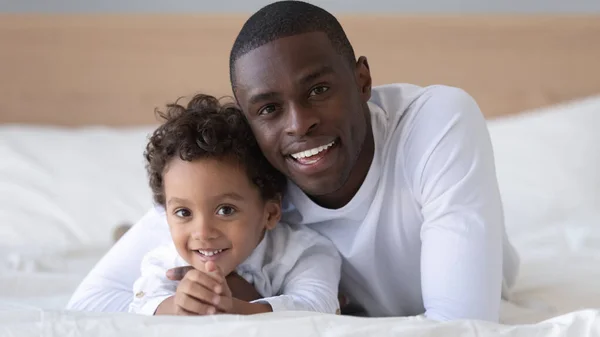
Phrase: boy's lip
(210, 254)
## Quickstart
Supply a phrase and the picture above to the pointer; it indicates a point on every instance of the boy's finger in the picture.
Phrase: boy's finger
(208, 280)
(188, 304)
(214, 268)
(222, 303)
(198, 291)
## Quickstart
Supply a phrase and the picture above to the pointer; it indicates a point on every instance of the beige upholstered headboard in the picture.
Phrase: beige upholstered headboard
(114, 70)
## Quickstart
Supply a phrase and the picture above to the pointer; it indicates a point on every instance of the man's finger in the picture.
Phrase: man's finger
(178, 273)
(241, 289)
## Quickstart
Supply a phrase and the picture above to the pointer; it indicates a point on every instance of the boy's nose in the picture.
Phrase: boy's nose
(205, 231)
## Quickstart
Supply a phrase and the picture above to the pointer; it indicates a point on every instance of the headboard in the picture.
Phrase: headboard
(115, 69)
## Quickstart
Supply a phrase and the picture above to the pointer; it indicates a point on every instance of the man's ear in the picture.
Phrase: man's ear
(273, 212)
(363, 77)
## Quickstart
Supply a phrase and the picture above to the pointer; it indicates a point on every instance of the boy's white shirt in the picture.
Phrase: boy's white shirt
(293, 268)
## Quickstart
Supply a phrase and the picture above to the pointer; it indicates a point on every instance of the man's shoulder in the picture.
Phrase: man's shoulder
(408, 108)
(404, 97)
(426, 115)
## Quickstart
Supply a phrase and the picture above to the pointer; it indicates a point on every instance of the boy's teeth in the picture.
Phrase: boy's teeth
(210, 252)
(312, 152)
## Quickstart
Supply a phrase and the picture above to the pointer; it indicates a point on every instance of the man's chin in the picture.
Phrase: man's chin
(321, 188)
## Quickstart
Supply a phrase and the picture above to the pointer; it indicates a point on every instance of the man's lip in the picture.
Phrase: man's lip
(301, 146)
(326, 160)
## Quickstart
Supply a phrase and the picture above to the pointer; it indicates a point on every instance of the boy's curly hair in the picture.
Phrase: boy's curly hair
(207, 129)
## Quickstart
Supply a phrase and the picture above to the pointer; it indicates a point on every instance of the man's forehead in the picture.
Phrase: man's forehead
(292, 51)
(289, 58)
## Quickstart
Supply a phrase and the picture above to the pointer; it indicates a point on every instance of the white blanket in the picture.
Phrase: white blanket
(63, 191)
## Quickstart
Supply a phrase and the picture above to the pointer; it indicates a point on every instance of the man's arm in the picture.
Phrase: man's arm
(463, 225)
(312, 284)
(108, 286)
(153, 288)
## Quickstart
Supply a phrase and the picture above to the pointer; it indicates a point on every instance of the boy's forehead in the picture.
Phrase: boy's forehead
(206, 178)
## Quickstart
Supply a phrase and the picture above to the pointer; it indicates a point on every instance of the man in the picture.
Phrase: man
(400, 178)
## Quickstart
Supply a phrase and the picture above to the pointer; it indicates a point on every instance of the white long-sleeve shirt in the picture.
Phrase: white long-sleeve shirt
(424, 234)
(293, 268)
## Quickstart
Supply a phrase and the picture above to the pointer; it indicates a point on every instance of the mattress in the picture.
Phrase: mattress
(64, 191)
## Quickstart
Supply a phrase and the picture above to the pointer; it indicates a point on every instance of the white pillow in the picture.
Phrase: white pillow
(61, 188)
(548, 164)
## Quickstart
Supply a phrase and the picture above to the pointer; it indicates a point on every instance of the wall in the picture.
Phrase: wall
(339, 6)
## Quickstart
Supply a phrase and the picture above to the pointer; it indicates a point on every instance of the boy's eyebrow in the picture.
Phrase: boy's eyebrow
(230, 195)
(176, 200)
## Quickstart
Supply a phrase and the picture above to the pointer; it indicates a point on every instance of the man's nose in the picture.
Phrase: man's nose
(301, 121)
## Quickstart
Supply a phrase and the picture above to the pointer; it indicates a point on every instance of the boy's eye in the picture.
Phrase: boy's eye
(318, 90)
(183, 213)
(225, 210)
(269, 109)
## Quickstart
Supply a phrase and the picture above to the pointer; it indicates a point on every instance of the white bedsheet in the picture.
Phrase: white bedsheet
(63, 191)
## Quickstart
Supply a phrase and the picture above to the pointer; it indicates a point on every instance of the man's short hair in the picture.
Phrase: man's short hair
(287, 18)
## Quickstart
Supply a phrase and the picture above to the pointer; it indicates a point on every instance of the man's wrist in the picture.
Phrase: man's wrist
(246, 308)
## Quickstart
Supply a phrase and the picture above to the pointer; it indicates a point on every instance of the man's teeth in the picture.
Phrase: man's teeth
(209, 252)
(312, 152)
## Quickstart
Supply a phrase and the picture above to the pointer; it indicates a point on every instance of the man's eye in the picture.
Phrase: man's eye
(318, 90)
(183, 213)
(225, 210)
(267, 110)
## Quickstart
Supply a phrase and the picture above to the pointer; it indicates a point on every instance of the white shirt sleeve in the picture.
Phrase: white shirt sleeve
(153, 287)
(313, 281)
(108, 286)
(463, 224)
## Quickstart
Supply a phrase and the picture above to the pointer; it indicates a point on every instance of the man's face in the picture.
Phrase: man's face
(307, 108)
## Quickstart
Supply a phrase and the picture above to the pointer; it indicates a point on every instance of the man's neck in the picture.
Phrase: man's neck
(342, 196)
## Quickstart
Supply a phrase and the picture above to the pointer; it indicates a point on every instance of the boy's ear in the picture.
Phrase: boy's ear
(273, 210)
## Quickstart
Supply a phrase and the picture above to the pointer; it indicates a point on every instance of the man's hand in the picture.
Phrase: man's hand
(240, 289)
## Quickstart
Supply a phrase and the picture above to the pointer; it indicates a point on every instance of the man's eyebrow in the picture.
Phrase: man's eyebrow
(324, 70)
(264, 96)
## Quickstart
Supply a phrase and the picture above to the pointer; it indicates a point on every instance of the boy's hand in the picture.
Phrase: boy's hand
(222, 300)
(202, 293)
(240, 289)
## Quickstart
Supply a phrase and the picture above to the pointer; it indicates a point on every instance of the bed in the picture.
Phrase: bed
(77, 105)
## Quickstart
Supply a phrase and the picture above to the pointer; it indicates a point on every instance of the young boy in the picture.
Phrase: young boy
(222, 200)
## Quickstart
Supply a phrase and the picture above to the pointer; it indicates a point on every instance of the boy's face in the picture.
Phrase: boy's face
(215, 213)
